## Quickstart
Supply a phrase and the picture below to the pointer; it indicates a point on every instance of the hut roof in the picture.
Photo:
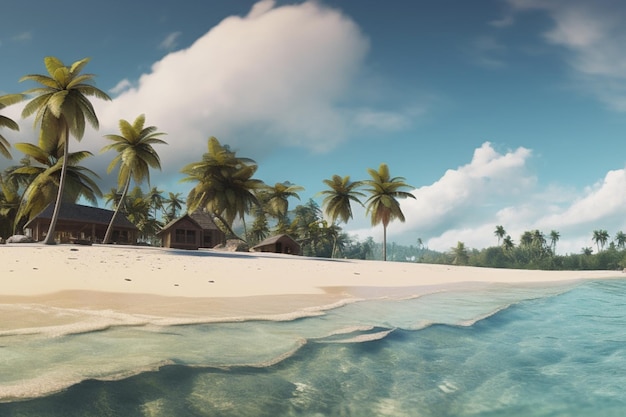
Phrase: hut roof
(85, 214)
(204, 220)
(273, 239)
(201, 219)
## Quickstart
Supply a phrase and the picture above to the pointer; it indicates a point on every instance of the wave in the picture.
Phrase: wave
(362, 322)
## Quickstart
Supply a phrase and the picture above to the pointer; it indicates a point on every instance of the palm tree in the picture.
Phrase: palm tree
(114, 196)
(620, 239)
(339, 197)
(526, 239)
(460, 254)
(382, 204)
(600, 237)
(135, 156)
(507, 244)
(276, 199)
(44, 178)
(5, 101)
(9, 204)
(224, 184)
(554, 238)
(500, 233)
(156, 199)
(61, 108)
(173, 203)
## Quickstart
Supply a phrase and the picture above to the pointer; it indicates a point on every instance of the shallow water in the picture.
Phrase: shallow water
(480, 350)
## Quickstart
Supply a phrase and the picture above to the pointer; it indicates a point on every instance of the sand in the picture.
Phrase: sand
(178, 283)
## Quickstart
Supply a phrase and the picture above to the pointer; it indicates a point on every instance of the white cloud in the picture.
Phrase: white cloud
(467, 203)
(271, 78)
(593, 34)
(121, 86)
(465, 196)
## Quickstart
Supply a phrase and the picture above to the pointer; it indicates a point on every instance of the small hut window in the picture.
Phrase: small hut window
(180, 235)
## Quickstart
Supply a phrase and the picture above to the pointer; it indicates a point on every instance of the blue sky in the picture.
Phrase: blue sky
(504, 112)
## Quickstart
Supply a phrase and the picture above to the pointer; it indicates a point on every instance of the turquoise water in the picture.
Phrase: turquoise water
(480, 350)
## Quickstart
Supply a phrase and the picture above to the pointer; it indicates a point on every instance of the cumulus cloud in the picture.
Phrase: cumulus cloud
(593, 34)
(466, 204)
(465, 196)
(271, 78)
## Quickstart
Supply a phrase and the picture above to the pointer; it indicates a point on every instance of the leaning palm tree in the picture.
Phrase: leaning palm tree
(61, 108)
(339, 196)
(135, 156)
(5, 101)
(382, 204)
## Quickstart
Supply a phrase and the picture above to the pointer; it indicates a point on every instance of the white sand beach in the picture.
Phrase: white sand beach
(155, 280)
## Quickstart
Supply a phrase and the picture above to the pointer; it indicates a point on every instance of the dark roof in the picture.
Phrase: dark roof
(272, 240)
(200, 219)
(86, 214)
(204, 220)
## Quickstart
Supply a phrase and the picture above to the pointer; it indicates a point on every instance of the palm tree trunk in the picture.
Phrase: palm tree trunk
(50, 240)
(109, 232)
(384, 242)
(227, 226)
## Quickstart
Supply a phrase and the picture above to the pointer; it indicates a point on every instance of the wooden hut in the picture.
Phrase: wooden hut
(191, 231)
(278, 244)
(79, 223)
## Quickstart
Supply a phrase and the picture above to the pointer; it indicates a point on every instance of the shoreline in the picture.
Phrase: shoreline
(179, 283)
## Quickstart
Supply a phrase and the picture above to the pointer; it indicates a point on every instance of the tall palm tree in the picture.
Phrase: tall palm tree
(554, 238)
(135, 155)
(339, 196)
(500, 233)
(620, 239)
(5, 101)
(225, 186)
(44, 178)
(61, 108)
(156, 199)
(382, 204)
(600, 237)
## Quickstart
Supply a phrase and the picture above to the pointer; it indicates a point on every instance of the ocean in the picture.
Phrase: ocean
(468, 350)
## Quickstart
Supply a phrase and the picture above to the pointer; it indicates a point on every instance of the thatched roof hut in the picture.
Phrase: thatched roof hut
(192, 231)
(77, 222)
(278, 244)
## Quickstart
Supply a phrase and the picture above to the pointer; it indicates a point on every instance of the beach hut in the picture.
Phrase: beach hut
(278, 244)
(81, 224)
(191, 231)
